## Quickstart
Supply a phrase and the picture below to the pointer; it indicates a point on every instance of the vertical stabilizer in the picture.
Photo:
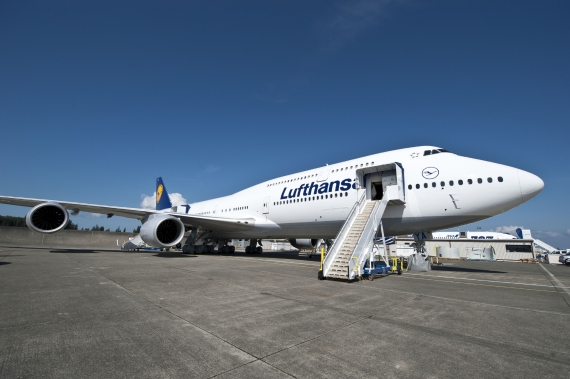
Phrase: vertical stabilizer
(524, 234)
(162, 198)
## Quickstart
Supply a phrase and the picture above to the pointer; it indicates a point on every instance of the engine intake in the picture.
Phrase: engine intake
(162, 231)
(305, 243)
(47, 218)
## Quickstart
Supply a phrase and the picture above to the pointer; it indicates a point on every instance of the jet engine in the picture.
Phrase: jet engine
(48, 217)
(305, 243)
(162, 231)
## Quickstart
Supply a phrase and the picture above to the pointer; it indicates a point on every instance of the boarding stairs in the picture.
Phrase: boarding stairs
(354, 243)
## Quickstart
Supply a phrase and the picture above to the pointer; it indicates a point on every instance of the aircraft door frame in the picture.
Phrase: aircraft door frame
(266, 205)
(367, 175)
(323, 174)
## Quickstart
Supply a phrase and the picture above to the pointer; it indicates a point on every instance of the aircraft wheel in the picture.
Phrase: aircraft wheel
(232, 249)
(258, 250)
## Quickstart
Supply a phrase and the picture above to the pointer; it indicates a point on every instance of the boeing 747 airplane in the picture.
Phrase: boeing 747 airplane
(417, 189)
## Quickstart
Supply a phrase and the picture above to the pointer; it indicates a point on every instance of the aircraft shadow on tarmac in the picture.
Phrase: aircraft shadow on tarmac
(166, 254)
(293, 254)
(73, 251)
(464, 269)
(5, 263)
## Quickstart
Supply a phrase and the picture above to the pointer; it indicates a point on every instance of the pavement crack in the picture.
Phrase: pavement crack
(248, 363)
(318, 336)
(171, 313)
(6, 256)
(528, 350)
(558, 286)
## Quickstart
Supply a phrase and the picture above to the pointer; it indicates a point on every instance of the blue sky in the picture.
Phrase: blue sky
(97, 99)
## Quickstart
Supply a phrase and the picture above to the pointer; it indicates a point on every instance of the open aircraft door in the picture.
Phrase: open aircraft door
(401, 180)
(375, 179)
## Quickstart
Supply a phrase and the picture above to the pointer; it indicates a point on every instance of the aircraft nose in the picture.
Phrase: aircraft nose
(530, 185)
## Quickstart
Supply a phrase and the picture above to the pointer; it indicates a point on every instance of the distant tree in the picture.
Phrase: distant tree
(71, 226)
(137, 230)
(12, 221)
(103, 229)
(124, 230)
(118, 229)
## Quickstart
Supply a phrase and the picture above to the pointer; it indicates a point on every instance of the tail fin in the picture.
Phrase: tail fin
(162, 198)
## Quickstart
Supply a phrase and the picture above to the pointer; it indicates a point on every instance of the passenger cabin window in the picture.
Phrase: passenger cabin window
(469, 181)
(479, 180)
(500, 179)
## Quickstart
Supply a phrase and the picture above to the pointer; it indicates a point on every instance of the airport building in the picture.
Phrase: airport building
(470, 246)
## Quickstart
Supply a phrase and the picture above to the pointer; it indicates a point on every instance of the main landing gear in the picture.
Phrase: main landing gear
(253, 250)
(227, 249)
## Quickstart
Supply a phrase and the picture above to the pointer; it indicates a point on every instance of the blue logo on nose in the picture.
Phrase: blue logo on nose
(430, 172)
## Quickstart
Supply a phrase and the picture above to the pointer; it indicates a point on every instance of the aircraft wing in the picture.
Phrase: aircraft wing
(91, 208)
(195, 221)
(216, 224)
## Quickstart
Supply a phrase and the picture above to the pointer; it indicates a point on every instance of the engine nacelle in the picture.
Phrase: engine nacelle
(305, 243)
(48, 217)
(162, 231)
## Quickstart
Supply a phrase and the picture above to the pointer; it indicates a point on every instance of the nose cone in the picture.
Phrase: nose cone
(530, 185)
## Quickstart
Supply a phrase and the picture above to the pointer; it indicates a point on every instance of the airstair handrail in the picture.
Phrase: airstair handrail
(355, 211)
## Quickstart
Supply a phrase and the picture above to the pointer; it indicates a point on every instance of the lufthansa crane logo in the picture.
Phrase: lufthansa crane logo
(430, 172)
(159, 192)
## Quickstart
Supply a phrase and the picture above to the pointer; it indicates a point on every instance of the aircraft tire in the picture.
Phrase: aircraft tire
(258, 250)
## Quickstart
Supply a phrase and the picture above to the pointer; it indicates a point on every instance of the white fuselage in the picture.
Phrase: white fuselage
(441, 190)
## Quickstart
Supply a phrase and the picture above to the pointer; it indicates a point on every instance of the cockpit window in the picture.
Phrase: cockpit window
(435, 151)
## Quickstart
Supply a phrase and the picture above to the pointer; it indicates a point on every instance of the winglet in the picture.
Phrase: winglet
(162, 198)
